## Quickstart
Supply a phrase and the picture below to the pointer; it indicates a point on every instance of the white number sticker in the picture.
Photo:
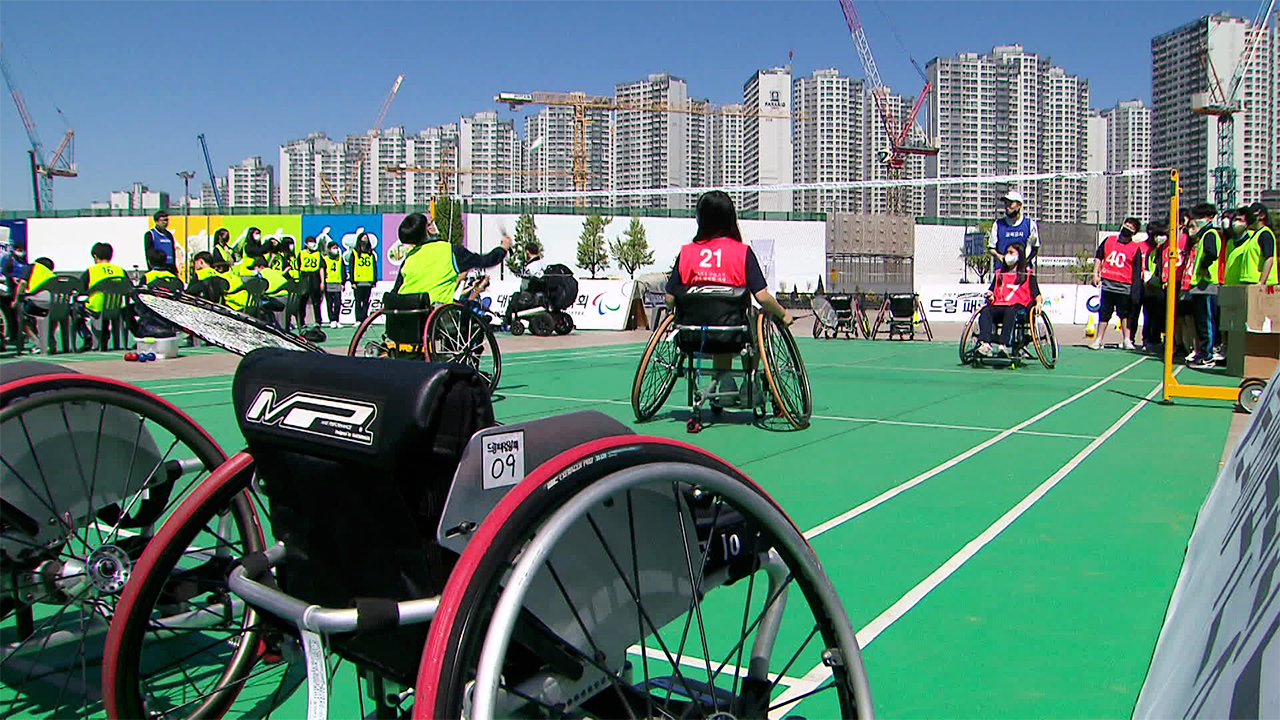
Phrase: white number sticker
(1116, 259)
(707, 254)
(502, 456)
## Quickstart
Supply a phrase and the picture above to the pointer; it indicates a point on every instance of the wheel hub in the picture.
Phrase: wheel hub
(109, 568)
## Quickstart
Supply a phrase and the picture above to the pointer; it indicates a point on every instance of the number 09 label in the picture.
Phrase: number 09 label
(502, 456)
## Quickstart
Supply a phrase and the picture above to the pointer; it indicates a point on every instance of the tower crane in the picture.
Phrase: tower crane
(905, 138)
(444, 171)
(377, 125)
(43, 168)
(1225, 103)
(208, 163)
(582, 102)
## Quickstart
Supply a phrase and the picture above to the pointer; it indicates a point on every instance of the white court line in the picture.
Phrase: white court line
(893, 492)
(873, 629)
(970, 371)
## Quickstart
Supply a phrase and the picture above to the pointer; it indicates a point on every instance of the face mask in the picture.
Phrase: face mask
(19, 253)
(1239, 226)
(334, 253)
(311, 246)
(1126, 232)
(1011, 259)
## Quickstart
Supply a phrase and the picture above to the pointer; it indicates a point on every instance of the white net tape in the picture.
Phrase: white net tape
(221, 327)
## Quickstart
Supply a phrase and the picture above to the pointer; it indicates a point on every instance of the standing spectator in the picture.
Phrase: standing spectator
(1013, 228)
(1117, 270)
(159, 238)
(312, 281)
(363, 273)
(1205, 256)
(1156, 276)
(334, 281)
(1253, 260)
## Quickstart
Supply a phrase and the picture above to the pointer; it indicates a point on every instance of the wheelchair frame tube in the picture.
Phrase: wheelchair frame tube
(326, 621)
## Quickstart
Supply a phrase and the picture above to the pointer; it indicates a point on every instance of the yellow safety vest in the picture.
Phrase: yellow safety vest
(275, 281)
(39, 276)
(333, 270)
(309, 261)
(362, 270)
(1208, 272)
(223, 253)
(235, 297)
(429, 268)
(1244, 264)
(97, 273)
(152, 275)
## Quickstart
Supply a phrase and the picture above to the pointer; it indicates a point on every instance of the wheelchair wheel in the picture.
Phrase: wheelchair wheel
(517, 327)
(456, 334)
(784, 370)
(969, 340)
(361, 345)
(535, 638)
(864, 326)
(564, 323)
(817, 328)
(89, 468)
(659, 367)
(180, 644)
(1042, 339)
(542, 325)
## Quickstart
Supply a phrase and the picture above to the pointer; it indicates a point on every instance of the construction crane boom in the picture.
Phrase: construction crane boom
(386, 104)
(208, 164)
(377, 125)
(43, 169)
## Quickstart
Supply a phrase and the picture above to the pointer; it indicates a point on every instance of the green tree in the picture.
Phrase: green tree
(526, 233)
(1082, 270)
(593, 254)
(448, 217)
(631, 251)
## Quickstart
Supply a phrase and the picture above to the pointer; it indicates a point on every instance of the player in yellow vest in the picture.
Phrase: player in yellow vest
(334, 280)
(1253, 259)
(33, 302)
(309, 262)
(434, 264)
(363, 273)
(221, 251)
(102, 269)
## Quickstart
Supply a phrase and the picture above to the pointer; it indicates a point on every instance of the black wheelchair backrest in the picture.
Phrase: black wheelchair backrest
(902, 305)
(355, 456)
(406, 316)
(713, 306)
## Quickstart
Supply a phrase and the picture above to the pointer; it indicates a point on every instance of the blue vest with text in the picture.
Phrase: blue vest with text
(1007, 235)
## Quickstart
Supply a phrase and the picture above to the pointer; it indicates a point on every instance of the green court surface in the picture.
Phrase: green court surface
(1005, 541)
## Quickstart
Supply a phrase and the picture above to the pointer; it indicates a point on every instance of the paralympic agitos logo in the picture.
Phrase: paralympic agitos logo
(336, 418)
(601, 305)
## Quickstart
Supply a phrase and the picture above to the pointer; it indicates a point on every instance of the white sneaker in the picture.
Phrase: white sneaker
(984, 349)
(1095, 345)
(1218, 357)
(1192, 357)
(1126, 344)
(333, 324)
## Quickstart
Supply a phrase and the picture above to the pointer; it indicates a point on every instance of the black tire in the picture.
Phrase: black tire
(784, 370)
(359, 344)
(542, 324)
(564, 323)
(456, 334)
(1251, 394)
(969, 340)
(817, 328)
(517, 327)
(659, 367)
(143, 458)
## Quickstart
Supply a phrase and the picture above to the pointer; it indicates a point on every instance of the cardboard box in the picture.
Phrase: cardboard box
(1251, 325)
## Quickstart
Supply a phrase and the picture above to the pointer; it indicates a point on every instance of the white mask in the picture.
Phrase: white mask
(1010, 259)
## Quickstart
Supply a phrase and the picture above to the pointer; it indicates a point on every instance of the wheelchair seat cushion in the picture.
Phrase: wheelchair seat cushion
(406, 316)
(355, 456)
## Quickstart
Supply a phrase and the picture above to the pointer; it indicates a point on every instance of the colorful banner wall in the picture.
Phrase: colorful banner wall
(12, 232)
(390, 255)
(344, 229)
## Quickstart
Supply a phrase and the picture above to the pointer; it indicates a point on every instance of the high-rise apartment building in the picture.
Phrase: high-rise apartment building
(727, 150)
(1007, 112)
(1095, 204)
(651, 148)
(250, 184)
(767, 151)
(1129, 148)
(549, 149)
(1180, 63)
(828, 142)
(490, 151)
(311, 171)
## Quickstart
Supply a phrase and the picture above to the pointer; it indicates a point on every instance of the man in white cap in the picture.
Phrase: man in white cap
(1013, 228)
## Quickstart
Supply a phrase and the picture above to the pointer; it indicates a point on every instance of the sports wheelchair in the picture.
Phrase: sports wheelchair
(417, 329)
(835, 314)
(541, 303)
(1025, 345)
(900, 313)
(712, 320)
(554, 567)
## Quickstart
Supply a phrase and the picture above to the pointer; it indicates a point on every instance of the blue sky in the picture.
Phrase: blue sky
(139, 80)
